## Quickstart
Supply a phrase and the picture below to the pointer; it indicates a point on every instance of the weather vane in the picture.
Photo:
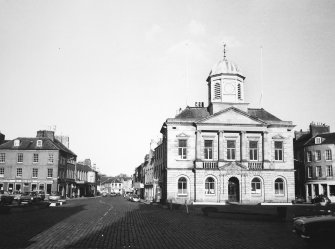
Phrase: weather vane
(224, 51)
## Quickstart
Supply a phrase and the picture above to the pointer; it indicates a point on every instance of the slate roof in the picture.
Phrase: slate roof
(197, 113)
(4, 141)
(328, 138)
(193, 113)
(302, 140)
(262, 114)
(27, 143)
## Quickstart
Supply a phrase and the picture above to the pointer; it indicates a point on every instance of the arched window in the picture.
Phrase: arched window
(182, 186)
(217, 90)
(210, 186)
(279, 186)
(256, 186)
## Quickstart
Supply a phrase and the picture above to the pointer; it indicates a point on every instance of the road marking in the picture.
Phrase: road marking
(106, 211)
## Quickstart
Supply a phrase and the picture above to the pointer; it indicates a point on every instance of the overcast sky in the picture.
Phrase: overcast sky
(109, 73)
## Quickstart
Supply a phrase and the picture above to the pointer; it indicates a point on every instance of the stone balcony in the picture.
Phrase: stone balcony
(255, 166)
(210, 165)
(216, 164)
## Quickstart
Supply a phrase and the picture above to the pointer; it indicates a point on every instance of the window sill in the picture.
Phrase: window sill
(210, 194)
(256, 194)
(279, 195)
(179, 159)
(182, 195)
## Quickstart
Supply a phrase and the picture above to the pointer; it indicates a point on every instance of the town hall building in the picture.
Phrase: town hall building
(227, 151)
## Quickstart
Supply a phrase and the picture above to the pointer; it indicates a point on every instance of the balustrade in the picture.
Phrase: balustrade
(210, 165)
(255, 165)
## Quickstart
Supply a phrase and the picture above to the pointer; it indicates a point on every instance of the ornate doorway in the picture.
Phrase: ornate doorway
(233, 190)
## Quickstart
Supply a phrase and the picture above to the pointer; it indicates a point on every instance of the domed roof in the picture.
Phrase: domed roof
(224, 67)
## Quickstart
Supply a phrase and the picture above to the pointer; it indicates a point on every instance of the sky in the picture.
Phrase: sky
(109, 73)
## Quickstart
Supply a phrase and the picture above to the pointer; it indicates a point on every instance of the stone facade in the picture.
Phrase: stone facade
(314, 152)
(159, 177)
(227, 152)
(40, 163)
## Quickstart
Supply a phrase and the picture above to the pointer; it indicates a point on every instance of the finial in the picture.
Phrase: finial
(224, 51)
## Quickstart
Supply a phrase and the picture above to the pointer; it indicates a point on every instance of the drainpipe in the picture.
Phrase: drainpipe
(286, 191)
(195, 184)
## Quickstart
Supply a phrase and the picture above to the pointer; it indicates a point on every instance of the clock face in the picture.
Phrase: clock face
(229, 88)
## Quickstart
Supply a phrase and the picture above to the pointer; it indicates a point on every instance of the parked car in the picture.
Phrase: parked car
(41, 194)
(104, 194)
(30, 197)
(130, 197)
(54, 196)
(298, 200)
(90, 194)
(315, 228)
(322, 200)
(113, 194)
(17, 196)
(5, 198)
(135, 198)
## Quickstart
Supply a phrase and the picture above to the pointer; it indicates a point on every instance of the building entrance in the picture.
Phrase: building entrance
(233, 190)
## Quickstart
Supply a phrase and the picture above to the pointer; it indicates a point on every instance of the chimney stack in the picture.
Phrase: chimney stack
(47, 134)
(318, 128)
(2, 138)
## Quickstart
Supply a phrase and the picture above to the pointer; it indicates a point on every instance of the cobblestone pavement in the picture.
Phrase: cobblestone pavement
(112, 222)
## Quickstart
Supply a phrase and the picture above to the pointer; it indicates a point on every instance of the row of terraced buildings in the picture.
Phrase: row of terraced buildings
(44, 163)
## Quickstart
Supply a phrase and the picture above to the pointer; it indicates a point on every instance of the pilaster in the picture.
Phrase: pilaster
(243, 147)
(221, 146)
(198, 146)
(266, 146)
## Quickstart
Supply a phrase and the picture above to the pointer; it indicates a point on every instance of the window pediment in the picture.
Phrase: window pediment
(231, 136)
(182, 135)
(278, 136)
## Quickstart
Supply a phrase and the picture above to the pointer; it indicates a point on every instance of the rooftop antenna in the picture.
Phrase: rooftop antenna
(261, 76)
(187, 72)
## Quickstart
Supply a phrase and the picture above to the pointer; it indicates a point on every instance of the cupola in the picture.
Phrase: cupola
(225, 86)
